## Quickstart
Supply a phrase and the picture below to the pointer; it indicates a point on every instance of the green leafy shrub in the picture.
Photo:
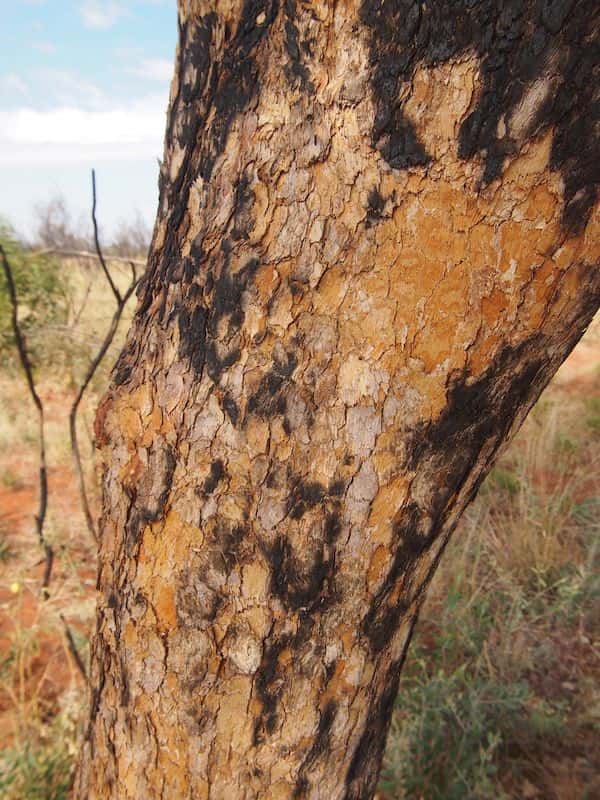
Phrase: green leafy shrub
(36, 773)
(43, 298)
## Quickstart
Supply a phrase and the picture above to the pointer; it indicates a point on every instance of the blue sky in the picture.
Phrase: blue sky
(83, 83)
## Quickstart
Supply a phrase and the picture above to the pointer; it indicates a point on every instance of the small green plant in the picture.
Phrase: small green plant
(10, 480)
(5, 548)
(36, 773)
(43, 297)
(592, 420)
(504, 480)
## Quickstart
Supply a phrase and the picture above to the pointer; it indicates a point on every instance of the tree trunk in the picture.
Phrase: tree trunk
(374, 247)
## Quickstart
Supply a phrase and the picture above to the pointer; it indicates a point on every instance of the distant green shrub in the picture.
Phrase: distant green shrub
(43, 297)
(36, 773)
(6, 552)
(593, 415)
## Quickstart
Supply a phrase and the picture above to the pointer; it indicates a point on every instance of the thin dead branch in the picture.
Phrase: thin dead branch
(40, 517)
(105, 269)
(73, 648)
(94, 364)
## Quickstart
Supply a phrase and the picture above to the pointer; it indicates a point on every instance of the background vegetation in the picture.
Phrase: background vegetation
(500, 695)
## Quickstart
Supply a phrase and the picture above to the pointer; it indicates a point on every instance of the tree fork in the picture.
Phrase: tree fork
(376, 242)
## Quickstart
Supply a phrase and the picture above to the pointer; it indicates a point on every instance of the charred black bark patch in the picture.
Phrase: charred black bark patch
(244, 201)
(224, 302)
(518, 42)
(270, 680)
(297, 49)
(295, 585)
(122, 371)
(217, 471)
(192, 336)
(229, 540)
(366, 761)
(333, 526)
(239, 79)
(209, 320)
(197, 603)
(365, 766)
(223, 88)
(149, 495)
(477, 413)
(320, 747)
(383, 617)
(125, 363)
(226, 296)
(267, 400)
(302, 580)
(304, 495)
(231, 408)
(375, 207)
(269, 687)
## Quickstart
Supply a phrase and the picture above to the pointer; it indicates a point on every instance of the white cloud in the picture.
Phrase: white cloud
(14, 83)
(154, 69)
(101, 14)
(67, 134)
(66, 88)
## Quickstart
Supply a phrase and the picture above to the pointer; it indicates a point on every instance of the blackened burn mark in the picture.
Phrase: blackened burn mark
(217, 471)
(238, 75)
(223, 89)
(123, 368)
(230, 540)
(269, 678)
(297, 49)
(320, 747)
(366, 761)
(268, 399)
(375, 206)
(518, 42)
(225, 304)
(306, 581)
(226, 301)
(386, 611)
(192, 336)
(145, 506)
(243, 202)
(477, 413)
(304, 495)
(296, 586)
(231, 408)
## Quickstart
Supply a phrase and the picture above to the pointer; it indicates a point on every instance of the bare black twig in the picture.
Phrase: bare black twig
(40, 517)
(73, 648)
(111, 283)
(95, 363)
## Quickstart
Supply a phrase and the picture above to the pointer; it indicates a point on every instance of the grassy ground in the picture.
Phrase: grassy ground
(500, 694)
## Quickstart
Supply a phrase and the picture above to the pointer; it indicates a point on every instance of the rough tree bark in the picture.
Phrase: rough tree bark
(374, 247)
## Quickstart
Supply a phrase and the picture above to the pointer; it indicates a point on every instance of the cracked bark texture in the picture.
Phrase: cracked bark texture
(377, 239)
